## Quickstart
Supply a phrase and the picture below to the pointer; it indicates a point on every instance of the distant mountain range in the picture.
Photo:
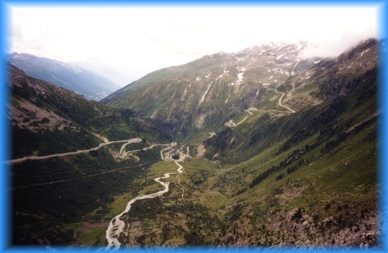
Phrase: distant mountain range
(102, 69)
(88, 82)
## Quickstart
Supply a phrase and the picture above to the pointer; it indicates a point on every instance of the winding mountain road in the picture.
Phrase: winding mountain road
(232, 124)
(77, 152)
(117, 225)
(122, 155)
(280, 100)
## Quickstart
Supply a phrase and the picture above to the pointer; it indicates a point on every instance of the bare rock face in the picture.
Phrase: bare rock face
(344, 225)
(27, 112)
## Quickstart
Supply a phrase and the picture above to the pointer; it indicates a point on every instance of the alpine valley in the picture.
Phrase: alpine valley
(262, 147)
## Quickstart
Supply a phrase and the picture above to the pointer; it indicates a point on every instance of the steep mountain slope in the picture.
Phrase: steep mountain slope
(298, 171)
(84, 82)
(41, 110)
(209, 91)
(313, 172)
(49, 193)
(329, 81)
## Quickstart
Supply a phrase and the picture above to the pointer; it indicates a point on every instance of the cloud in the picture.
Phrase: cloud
(332, 48)
(138, 40)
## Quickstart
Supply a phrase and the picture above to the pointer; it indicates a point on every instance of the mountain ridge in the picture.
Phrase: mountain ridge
(80, 80)
(213, 88)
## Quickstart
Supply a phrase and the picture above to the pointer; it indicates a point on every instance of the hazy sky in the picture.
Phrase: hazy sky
(139, 40)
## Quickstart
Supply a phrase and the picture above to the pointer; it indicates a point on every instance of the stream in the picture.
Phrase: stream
(117, 226)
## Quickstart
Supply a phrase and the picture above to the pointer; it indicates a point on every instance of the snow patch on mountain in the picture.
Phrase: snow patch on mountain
(296, 64)
(363, 52)
(204, 94)
(279, 57)
(184, 94)
(223, 74)
(154, 114)
(240, 75)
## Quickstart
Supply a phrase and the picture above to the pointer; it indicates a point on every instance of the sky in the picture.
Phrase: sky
(138, 40)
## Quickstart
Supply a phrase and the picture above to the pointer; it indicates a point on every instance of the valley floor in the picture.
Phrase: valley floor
(218, 208)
